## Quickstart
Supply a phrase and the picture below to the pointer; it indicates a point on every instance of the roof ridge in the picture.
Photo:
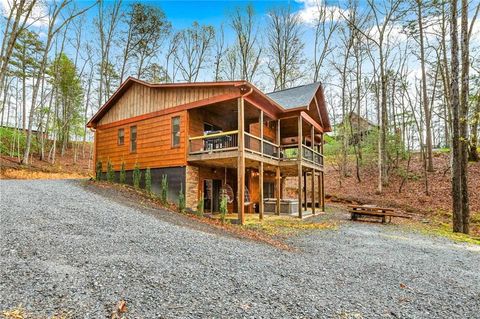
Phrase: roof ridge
(295, 87)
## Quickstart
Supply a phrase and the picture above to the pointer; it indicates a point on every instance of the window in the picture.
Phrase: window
(176, 131)
(133, 139)
(121, 136)
(268, 190)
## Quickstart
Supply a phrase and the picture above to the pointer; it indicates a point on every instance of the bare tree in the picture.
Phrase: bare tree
(220, 51)
(193, 49)
(18, 15)
(459, 108)
(249, 52)
(325, 26)
(284, 47)
(55, 9)
(107, 21)
(425, 101)
(384, 13)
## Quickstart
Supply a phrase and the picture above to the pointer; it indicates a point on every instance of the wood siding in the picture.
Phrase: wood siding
(140, 99)
(154, 144)
(268, 133)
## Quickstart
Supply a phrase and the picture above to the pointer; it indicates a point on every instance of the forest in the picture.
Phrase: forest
(410, 68)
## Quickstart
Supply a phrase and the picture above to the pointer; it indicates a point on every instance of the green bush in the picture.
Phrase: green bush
(223, 206)
(148, 180)
(200, 205)
(137, 176)
(123, 174)
(181, 200)
(164, 189)
(110, 172)
(98, 171)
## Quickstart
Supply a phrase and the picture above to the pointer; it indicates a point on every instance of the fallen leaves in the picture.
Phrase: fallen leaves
(120, 309)
(436, 207)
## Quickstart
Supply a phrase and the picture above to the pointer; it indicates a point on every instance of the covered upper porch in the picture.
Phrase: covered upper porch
(225, 130)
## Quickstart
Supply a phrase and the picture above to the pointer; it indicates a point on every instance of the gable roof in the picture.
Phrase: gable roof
(295, 97)
(131, 80)
(282, 101)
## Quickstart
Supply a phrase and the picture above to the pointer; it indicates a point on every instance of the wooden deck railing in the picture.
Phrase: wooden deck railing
(312, 156)
(228, 141)
(253, 144)
(210, 143)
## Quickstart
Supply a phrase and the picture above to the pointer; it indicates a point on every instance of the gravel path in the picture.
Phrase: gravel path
(66, 248)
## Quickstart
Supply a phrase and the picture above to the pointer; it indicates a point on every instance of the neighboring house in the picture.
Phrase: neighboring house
(207, 139)
(357, 126)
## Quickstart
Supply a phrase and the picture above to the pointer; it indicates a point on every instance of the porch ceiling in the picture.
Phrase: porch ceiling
(229, 110)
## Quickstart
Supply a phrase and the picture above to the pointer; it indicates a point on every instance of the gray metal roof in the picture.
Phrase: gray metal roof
(299, 96)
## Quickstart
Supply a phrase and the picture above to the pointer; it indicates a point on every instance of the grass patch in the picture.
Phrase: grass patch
(445, 230)
(282, 226)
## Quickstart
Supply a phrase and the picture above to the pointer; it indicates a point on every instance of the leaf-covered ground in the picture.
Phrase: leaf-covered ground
(434, 207)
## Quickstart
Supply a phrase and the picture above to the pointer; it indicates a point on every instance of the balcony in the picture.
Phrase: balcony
(225, 145)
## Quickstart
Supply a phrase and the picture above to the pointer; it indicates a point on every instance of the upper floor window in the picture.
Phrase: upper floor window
(133, 139)
(121, 136)
(176, 131)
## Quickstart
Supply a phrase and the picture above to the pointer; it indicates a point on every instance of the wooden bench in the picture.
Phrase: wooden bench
(374, 211)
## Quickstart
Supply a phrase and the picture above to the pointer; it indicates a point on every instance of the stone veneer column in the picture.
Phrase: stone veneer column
(191, 188)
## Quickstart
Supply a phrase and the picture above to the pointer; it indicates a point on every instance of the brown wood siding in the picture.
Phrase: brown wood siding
(268, 133)
(140, 99)
(154, 145)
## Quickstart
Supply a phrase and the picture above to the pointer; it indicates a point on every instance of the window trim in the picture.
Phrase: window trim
(123, 136)
(172, 133)
(132, 141)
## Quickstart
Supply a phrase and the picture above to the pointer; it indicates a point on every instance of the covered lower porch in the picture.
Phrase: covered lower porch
(255, 187)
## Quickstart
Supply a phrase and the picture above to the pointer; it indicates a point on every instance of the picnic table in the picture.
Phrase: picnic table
(357, 211)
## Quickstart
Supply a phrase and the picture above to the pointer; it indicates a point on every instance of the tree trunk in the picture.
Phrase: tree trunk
(464, 94)
(428, 126)
(455, 105)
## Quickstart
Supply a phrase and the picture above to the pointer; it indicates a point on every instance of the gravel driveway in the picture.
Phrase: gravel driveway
(66, 248)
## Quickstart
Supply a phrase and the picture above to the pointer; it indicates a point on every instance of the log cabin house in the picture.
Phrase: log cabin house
(215, 137)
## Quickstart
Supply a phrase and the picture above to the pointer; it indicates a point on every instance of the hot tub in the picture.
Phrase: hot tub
(287, 206)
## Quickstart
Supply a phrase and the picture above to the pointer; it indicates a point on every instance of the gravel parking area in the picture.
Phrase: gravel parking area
(65, 248)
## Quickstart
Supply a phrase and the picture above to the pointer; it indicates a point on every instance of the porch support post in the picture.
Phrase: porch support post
(305, 191)
(277, 189)
(278, 178)
(320, 200)
(323, 192)
(322, 178)
(261, 132)
(260, 181)
(241, 163)
(313, 192)
(279, 140)
(300, 173)
(260, 176)
(312, 136)
(321, 146)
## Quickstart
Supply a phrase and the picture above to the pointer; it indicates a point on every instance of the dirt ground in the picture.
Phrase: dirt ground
(64, 167)
(435, 206)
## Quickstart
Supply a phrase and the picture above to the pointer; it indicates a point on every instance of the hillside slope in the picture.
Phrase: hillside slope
(435, 206)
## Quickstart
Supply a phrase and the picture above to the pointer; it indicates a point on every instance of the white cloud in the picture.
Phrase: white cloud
(313, 8)
(38, 17)
(394, 34)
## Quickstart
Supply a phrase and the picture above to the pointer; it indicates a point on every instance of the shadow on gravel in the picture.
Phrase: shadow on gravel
(138, 201)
